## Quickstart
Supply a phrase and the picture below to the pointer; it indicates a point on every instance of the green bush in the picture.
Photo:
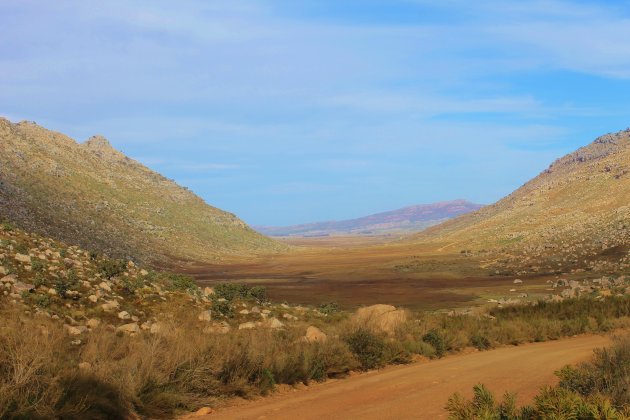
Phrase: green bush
(329, 308)
(131, 284)
(435, 339)
(38, 265)
(230, 291)
(480, 342)
(599, 389)
(607, 374)
(111, 268)
(258, 293)
(368, 348)
(8, 227)
(182, 283)
(223, 307)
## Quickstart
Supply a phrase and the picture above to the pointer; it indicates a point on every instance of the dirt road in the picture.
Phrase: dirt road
(420, 391)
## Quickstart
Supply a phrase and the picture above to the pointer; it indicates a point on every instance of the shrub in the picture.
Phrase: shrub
(368, 348)
(223, 307)
(131, 284)
(608, 374)
(182, 283)
(230, 291)
(329, 308)
(8, 227)
(111, 268)
(480, 342)
(258, 293)
(435, 339)
(38, 265)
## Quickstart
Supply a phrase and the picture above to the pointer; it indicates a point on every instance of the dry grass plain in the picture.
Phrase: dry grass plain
(362, 270)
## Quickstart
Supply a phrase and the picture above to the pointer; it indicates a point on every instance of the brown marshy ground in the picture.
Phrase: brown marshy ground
(361, 270)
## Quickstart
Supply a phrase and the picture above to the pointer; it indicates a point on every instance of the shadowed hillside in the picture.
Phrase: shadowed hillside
(574, 214)
(94, 196)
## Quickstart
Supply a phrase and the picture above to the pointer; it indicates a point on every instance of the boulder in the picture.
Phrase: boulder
(518, 281)
(205, 316)
(110, 305)
(247, 326)
(380, 318)
(203, 411)
(72, 330)
(130, 329)
(11, 278)
(275, 323)
(315, 335)
(22, 258)
(103, 285)
(219, 328)
(93, 323)
(20, 287)
(124, 315)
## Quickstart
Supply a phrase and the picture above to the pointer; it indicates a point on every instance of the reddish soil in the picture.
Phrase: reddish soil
(420, 391)
(337, 269)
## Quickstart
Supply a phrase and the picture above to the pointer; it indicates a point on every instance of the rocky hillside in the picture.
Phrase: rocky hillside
(92, 195)
(573, 216)
(407, 219)
(85, 290)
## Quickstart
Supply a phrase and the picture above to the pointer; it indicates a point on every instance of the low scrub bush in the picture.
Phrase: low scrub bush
(368, 348)
(329, 308)
(435, 339)
(111, 268)
(595, 390)
(231, 291)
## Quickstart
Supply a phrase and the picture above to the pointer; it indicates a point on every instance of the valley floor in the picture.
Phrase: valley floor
(420, 391)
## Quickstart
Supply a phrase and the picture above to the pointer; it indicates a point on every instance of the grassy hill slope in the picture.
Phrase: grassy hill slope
(94, 196)
(576, 213)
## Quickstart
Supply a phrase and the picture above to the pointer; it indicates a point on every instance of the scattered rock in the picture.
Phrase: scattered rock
(247, 326)
(22, 258)
(130, 329)
(93, 323)
(275, 324)
(315, 335)
(203, 411)
(124, 315)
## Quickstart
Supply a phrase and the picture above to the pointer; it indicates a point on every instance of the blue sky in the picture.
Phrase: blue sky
(289, 111)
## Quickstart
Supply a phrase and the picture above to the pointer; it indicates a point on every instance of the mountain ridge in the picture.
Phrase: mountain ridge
(575, 213)
(405, 219)
(93, 195)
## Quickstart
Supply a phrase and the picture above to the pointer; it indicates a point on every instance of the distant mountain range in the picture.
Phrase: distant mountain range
(92, 195)
(407, 219)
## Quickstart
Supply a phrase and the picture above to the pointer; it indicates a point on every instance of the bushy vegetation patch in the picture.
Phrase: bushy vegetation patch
(595, 390)
(368, 348)
(232, 291)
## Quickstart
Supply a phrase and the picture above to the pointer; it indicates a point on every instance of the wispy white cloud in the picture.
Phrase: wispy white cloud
(246, 101)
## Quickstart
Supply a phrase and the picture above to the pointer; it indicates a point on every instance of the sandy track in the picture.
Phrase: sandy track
(420, 391)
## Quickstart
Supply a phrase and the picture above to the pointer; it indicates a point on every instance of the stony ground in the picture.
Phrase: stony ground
(84, 290)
